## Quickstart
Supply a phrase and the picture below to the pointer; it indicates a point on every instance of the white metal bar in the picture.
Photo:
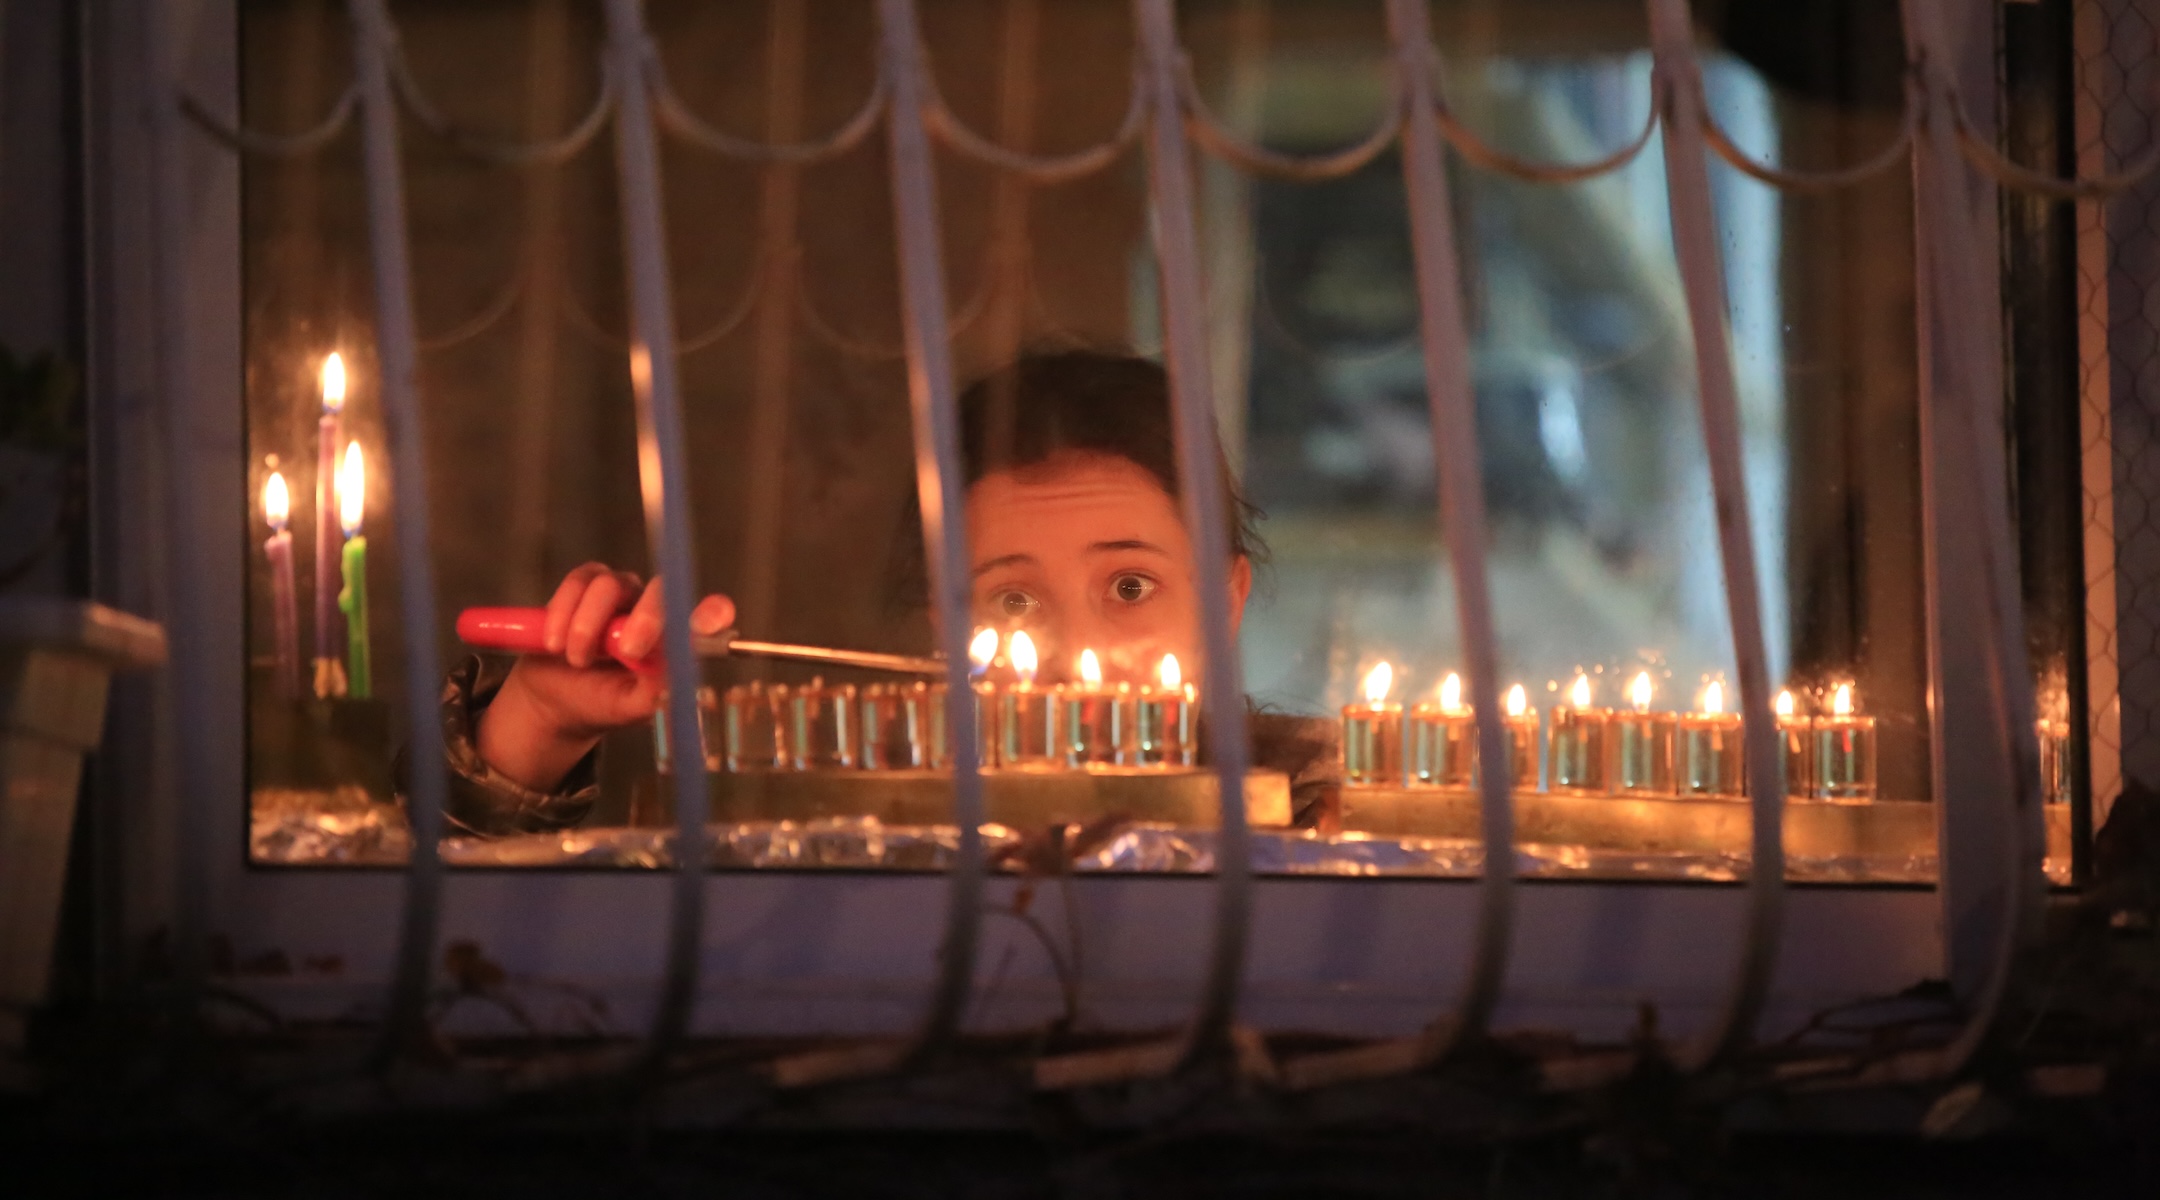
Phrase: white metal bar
(664, 479)
(397, 356)
(1453, 403)
(1694, 227)
(1185, 354)
(940, 488)
(1976, 567)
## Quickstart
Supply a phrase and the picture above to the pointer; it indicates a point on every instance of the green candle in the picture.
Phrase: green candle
(352, 493)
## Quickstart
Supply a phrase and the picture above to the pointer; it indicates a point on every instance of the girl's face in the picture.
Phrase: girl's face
(1088, 552)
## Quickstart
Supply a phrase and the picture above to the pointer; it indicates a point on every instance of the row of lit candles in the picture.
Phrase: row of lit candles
(1635, 751)
(1023, 725)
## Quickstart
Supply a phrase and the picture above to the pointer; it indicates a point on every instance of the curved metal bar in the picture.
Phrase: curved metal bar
(676, 118)
(664, 478)
(1990, 161)
(397, 354)
(1212, 136)
(1271, 319)
(956, 324)
(272, 145)
(729, 321)
(479, 322)
(500, 151)
(947, 128)
(1478, 152)
(1695, 245)
(1453, 400)
(1955, 398)
(940, 487)
(1810, 181)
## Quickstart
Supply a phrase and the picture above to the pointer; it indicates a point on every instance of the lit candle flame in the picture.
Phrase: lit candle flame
(1639, 691)
(1785, 707)
(352, 489)
(277, 502)
(1713, 698)
(1090, 669)
(1579, 694)
(1168, 673)
(1022, 650)
(1841, 700)
(1451, 693)
(1377, 683)
(333, 383)
(983, 649)
(1518, 701)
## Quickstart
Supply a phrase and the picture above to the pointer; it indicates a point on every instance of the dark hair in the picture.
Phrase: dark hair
(1049, 404)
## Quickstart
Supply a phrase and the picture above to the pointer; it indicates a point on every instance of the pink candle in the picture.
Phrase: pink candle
(285, 616)
(329, 539)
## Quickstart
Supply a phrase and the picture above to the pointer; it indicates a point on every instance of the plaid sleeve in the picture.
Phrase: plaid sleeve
(482, 802)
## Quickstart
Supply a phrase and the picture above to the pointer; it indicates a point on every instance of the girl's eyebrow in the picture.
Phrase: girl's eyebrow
(1007, 560)
(1127, 544)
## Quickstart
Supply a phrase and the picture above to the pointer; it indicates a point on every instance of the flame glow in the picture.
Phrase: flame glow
(1451, 693)
(1713, 698)
(277, 502)
(1579, 694)
(1638, 691)
(1022, 651)
(1518, 701)
(1168, 673)
(1785, 706)
(1377, 683)
(1841, 700)
(1090, 669)
(333, 383)
(983, 648)
(351, 489)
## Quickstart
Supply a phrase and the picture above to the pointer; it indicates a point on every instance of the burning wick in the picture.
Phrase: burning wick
(982, 651)
(1785, 704)
(1518, 701)
(1022, 651)
(1841, 701)
(1090, 669)
(1378, 681)
(333, 383)
(1451, 693)
(1579, 694)
(1713, 698)
(1639, 692)
(1170, 676)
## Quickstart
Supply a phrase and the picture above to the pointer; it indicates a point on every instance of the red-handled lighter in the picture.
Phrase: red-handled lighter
(523, 631)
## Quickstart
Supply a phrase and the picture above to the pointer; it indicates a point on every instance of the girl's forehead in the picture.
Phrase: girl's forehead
(1068, 506)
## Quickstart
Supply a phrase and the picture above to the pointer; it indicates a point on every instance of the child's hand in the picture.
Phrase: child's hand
(554, 707)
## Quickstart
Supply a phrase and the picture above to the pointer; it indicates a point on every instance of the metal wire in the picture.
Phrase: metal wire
(948, 129)
(1208, 131)
(480, 322)
(664, 477)
(1897, 151)
(1695, 245)
(271, 145)
(1478, 152)
(397, 355)
(677, 119)
(492, 148)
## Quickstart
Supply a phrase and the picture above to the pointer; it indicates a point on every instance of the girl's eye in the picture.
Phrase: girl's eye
(1015, 603)
(1132, 589)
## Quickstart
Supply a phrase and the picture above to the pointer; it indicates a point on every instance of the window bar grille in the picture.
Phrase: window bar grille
(1453, 407)
(190, 737)
(1185, 355)
(397, 357)
(1959, 397)
(940, 490)
(664, 480)
(1694, 228)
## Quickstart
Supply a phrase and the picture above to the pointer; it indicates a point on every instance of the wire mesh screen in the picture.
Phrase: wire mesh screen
(2119, 344)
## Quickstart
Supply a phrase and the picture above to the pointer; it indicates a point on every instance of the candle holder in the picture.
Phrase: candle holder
(1163, 726)
(896, 725)
(708, 706)
(1796, 748)
(1712, 754)
(1576, 744)
(1844, 751)
(989, 722)
(1095, 724)
(1028, 728)
(1641, 745)
(817, 725)
(2054, 761)
(1443, 745)
(750, 729)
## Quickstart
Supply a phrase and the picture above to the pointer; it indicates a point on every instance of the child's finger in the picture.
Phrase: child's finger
(642, 628)
(588, 624)
(712, 614)
(564, 602)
